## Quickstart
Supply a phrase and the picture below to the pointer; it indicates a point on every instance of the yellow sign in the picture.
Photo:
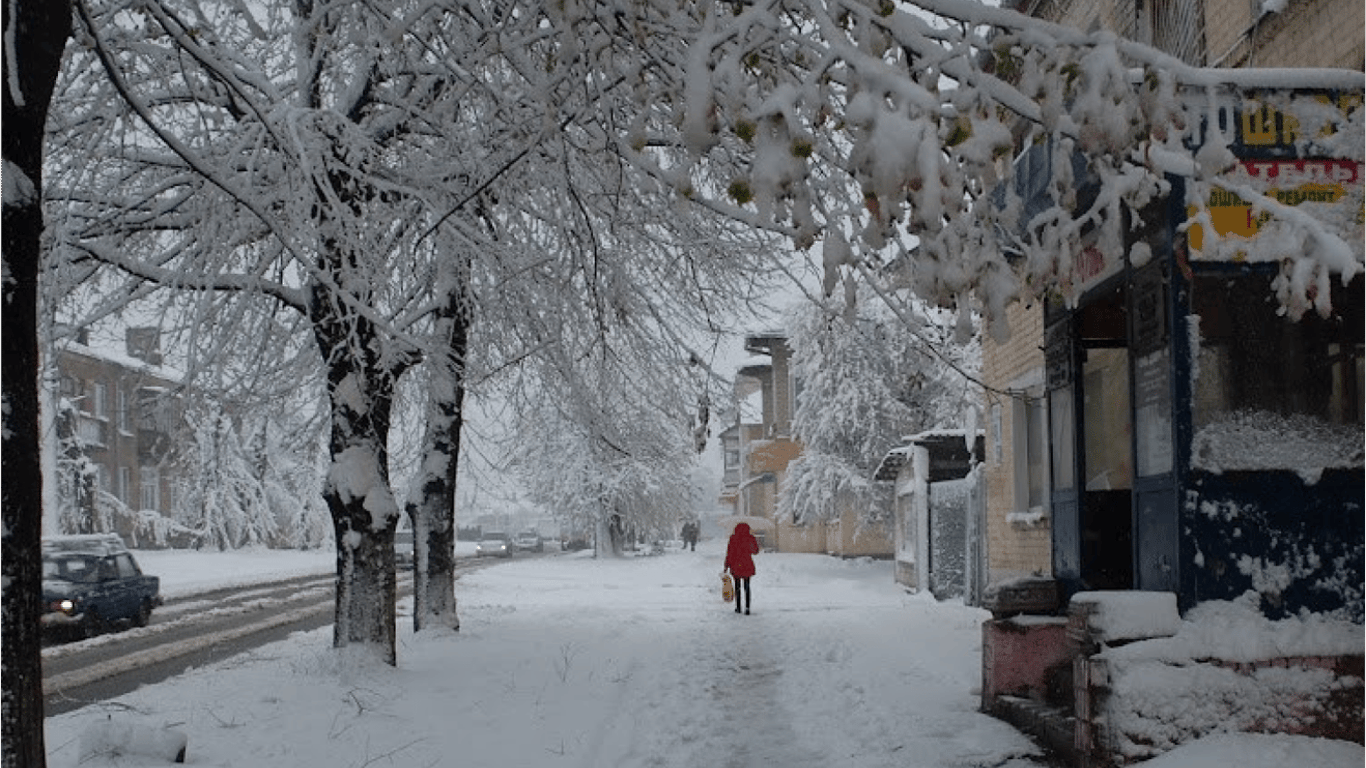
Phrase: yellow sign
(1289, 182)
(1261, 125)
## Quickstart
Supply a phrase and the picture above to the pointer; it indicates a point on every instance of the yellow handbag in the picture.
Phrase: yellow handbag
(727, 587)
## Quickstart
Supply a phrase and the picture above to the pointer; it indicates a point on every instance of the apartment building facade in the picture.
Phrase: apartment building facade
(757, 457)
(117, 418)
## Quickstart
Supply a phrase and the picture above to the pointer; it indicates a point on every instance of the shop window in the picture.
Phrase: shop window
(1268, 390)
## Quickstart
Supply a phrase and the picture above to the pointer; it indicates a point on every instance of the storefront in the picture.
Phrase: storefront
(1203, 442)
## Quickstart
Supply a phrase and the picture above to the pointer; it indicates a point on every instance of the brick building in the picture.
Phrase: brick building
(116, 419)
(1136, 418)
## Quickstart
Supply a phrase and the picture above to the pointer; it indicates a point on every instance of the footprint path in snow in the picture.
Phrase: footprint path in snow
(753, 728)
(731, 670)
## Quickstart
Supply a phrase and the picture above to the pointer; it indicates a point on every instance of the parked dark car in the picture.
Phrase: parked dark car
(92, 583)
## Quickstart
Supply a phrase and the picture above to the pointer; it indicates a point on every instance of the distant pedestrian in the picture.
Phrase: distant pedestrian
(740, 552)
(690, 530)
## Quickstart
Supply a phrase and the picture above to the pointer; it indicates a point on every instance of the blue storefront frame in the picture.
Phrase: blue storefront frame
(1295, 546)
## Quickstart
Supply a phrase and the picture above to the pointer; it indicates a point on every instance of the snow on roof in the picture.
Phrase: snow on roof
(892, 463)
(122, 359)
(940, 433)
(86, 544)
(754, 361)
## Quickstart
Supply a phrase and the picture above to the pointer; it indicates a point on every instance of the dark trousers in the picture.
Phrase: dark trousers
(742, 590)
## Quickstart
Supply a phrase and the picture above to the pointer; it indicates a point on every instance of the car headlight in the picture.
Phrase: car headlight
(65, 605)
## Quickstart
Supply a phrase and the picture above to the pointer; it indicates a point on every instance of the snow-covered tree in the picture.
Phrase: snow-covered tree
(35, 36)
(287, 467)
(871, 372)
(303, 152)
(221, 495)
(608, 459)
(335, 175)
(898, 122)
(77, 477)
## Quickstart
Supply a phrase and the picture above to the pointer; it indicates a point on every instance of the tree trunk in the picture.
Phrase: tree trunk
(35, 34)
(433, 512)
(357, 491)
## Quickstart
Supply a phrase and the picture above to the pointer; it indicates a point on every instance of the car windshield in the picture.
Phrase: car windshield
(495, 537)
(79, 570)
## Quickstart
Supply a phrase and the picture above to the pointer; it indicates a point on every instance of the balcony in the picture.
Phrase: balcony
(92, 431)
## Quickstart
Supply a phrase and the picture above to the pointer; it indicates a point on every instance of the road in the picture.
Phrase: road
(192, 631)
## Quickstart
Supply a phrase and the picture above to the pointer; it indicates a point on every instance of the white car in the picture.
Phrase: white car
(494, 544)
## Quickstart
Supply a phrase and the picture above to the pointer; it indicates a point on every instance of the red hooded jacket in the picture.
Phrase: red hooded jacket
(740, 552)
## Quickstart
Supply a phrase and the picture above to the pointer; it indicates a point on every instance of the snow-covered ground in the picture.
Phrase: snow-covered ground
(574, 661)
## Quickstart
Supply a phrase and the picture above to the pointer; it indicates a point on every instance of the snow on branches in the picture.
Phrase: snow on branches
(904, 122)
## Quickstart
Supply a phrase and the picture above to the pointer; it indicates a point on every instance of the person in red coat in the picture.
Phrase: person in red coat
(740, 552)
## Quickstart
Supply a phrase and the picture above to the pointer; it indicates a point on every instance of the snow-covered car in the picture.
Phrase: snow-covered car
(529, 541)
(494, 544)
(92, 582)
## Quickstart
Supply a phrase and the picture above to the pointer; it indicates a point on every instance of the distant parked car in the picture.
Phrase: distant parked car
(530, 541)
(494, 544)
(92, 582)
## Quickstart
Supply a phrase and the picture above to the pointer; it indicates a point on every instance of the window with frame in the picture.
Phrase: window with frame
(121, 408)
(125, 483)
(732, 458)
(99, 406)
(149, 478)
(1262, 382)
(91, 431)
(1029, 428)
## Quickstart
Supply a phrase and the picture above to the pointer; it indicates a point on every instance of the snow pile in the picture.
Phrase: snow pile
(1250, 750)
(1129, 615)
(1226, 671)
(1258, 440)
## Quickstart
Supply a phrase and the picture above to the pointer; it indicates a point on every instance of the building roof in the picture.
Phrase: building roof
(891, 464)
(949, 456)
(764, 342)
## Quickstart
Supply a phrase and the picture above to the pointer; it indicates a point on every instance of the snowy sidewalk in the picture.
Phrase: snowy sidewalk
(585, 663)
(836, 666)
